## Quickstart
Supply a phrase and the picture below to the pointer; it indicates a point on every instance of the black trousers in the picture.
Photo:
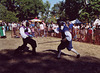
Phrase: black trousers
(65, 44)
(30, 41)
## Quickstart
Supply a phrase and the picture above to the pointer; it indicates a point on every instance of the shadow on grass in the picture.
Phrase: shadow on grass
(46, 62)
(56, 52)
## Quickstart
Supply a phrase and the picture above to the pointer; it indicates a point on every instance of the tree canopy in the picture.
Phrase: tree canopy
(19, 10)
(6, 15)
(58, 10)
(91, 11)
(85, 10)
(24, 9)
(46, 13)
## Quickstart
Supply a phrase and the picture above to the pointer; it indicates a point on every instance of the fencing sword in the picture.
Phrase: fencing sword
(49, 42)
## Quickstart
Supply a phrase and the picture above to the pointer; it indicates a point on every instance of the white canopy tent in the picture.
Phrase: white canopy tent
(36, 20)
(76, 21)
(97, 21)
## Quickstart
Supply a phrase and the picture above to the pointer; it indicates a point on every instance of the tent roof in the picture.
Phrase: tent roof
(76, 21)
(36, 20)
(97, 21)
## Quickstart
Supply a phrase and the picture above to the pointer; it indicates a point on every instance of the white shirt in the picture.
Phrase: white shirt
(14, 25)
(29, 30)
(22, 32)
(53, 26)
(41, 27)
(68, 35)
(86, 27)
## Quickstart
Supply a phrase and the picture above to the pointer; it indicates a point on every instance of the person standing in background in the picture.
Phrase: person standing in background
(33, 31)
(14, 29)
(42, 29)
(2, 30)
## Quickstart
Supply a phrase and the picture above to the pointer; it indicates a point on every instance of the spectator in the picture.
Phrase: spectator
(44, 28)
(7, 27)
(86, 30)
(33, 32)
(38, 28)
(75, 30)
(41, 30)
(2, 30)
(89, 34)
(32, 24)
(82, 33)
(49, 29)
(97, 34)
(18, 26)
(14, 29)
(54, 26)
(10, 26)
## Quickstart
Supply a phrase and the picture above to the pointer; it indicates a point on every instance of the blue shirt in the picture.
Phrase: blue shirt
(32, 25)
(70, 26)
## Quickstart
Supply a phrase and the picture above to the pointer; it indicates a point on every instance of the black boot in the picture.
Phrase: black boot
(34, 51)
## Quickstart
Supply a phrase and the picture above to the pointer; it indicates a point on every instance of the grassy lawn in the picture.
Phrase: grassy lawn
(46, 61)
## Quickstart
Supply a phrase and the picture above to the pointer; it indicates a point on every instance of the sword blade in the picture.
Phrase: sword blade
(49, 42)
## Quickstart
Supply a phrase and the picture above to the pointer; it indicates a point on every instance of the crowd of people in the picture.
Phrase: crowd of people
(65, 30)
(87, 32)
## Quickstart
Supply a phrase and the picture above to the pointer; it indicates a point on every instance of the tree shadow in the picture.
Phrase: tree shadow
(56, 52)
(45, 62)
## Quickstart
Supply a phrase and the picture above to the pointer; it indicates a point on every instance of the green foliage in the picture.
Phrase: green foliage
(28, 8)
(91, 11)
(25, 9)
(2, 11)
(84, 16)
(9, 4)
(6, 15)
(10, 17)
(52, 19)
(45, 14)
(72, 8)
(14, 10)
(58, 10)
(67, 10)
